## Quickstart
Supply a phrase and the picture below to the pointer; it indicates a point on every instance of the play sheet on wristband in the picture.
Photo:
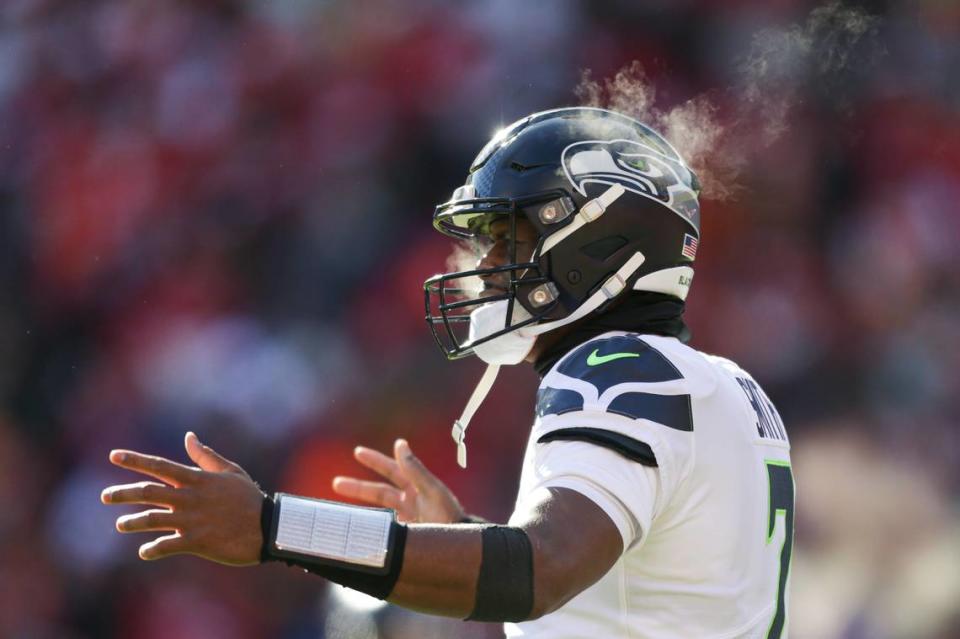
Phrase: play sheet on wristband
(332, 531)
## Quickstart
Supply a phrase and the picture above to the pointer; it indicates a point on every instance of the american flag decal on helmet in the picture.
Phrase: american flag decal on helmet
(689, 247)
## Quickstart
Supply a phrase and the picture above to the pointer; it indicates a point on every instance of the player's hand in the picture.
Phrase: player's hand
(414, 492)
(211, 510)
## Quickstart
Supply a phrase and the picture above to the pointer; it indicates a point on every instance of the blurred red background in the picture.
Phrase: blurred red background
(216, 216)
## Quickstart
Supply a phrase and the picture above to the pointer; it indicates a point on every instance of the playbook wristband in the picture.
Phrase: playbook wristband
(361, 548)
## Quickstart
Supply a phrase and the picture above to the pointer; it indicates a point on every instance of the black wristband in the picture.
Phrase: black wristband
(379, 586)
(375, 585)
(266, 516)
(474, 519)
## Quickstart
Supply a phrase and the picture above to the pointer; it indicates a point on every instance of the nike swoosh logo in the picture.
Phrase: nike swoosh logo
(596, 360)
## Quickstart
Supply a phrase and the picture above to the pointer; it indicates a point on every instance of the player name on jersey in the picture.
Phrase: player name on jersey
(769, 424)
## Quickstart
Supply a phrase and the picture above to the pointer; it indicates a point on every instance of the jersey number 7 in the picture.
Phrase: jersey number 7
(781, 503)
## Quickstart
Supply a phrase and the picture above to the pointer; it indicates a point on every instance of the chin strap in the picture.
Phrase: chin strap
(479, 394)
(610, 289)
(589, 212)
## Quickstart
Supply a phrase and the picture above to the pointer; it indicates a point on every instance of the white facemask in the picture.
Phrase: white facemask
(508, 349)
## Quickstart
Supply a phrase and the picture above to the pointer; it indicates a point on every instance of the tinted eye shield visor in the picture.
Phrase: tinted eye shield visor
(448, 305)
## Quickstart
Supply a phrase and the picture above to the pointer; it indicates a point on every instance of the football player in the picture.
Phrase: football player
(656, 497)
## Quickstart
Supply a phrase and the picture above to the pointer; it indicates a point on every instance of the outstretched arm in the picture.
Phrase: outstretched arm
(213, 511)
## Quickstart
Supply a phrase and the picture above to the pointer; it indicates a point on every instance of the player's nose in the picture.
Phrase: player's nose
(495, 256)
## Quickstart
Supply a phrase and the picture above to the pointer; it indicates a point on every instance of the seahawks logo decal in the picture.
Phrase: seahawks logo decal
(635, 166)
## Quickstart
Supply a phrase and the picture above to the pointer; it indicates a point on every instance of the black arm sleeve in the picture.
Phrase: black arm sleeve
(505, 583)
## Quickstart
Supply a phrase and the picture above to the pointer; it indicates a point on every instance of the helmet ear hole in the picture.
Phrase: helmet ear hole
(602, 249)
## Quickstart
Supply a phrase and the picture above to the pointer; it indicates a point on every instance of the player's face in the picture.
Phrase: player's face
(498, 253)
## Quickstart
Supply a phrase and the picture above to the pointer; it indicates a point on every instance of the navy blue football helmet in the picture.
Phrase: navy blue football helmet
(614, 205)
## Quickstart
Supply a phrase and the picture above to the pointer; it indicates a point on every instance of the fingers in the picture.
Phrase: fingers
(163, 469)
(149, 520)
(371, 492)
(165, 546)
(207, 458)
(413, 468)
(381, 464)
(142, 492)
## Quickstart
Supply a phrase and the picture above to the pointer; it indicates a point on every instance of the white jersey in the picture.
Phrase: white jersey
(690, 460)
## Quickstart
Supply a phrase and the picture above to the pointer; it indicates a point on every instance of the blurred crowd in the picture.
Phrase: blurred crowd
(215, 216)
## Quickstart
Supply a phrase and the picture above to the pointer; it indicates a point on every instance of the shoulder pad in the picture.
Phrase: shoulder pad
(631, 370)
(617, 360)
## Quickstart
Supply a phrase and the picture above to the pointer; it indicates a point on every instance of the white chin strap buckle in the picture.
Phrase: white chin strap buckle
(460, 426)
(613, 286)
(460, 435)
